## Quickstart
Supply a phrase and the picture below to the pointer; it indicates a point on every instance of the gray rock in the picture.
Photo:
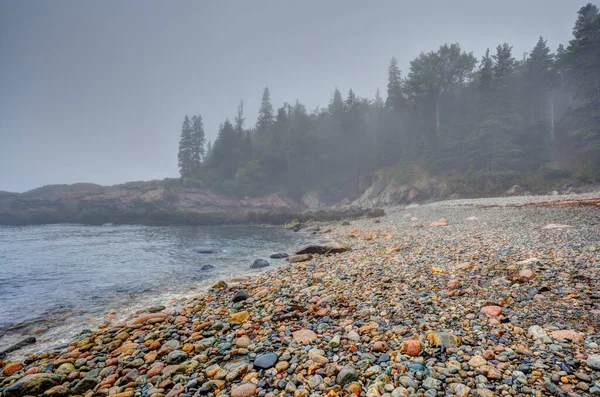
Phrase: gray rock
(168, 347)
(432, 383)
(266, 361)
(539, 334)
(176, 357)
(335, 342)
(593, 361)
(85, 384)
(259, 263)
(315, 381)
(240, 296)
(346, 375)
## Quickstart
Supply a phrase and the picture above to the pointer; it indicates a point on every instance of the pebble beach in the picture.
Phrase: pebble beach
(487, 297)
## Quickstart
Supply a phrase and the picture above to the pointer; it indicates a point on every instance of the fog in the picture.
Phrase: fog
(96, 91)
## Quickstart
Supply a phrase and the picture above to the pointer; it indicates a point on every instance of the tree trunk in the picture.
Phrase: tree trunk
(437, 112)
(551, 119)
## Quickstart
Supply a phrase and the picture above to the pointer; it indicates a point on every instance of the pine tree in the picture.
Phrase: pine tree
(265, 114)
(395, 98)
(504, 66)
(239, 118)
(207, 156)
(336, 105)
(481, 139)
(540, 77)
(198, 140)
(224, 155)
(185, 149)
(351, 100)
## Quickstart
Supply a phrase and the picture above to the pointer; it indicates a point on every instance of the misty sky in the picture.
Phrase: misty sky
(95, 91)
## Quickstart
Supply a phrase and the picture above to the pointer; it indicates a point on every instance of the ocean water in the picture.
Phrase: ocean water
(58, 279)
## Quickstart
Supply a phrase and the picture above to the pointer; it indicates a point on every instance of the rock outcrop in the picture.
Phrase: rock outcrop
(382, 193)
(157, 202)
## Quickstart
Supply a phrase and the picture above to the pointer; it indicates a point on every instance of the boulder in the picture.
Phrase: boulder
(259, 263)
(279, 255)
(322, 247)
(32, 385)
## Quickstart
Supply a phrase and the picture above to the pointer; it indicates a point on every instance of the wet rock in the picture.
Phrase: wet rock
(266, 361)
(25, 342)
(57, 391)
(85, 384)
(12, 368)
(149, 317)
(32, 385)
(219, 285)
(65, 369)
(259, 263)
(280, 255)
(240, 296)
(207, 267)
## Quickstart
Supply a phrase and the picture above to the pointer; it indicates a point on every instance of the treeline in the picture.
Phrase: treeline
(500, 117)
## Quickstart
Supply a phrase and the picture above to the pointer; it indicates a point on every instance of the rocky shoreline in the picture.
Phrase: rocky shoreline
(166, 202)
(466, 299)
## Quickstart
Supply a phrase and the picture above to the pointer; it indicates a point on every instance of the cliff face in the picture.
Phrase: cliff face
(166, 201)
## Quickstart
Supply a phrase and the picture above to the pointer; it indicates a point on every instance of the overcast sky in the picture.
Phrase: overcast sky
(95, 91)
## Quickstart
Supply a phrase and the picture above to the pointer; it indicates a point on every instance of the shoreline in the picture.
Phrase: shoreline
(418, 306)
(59, 328)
